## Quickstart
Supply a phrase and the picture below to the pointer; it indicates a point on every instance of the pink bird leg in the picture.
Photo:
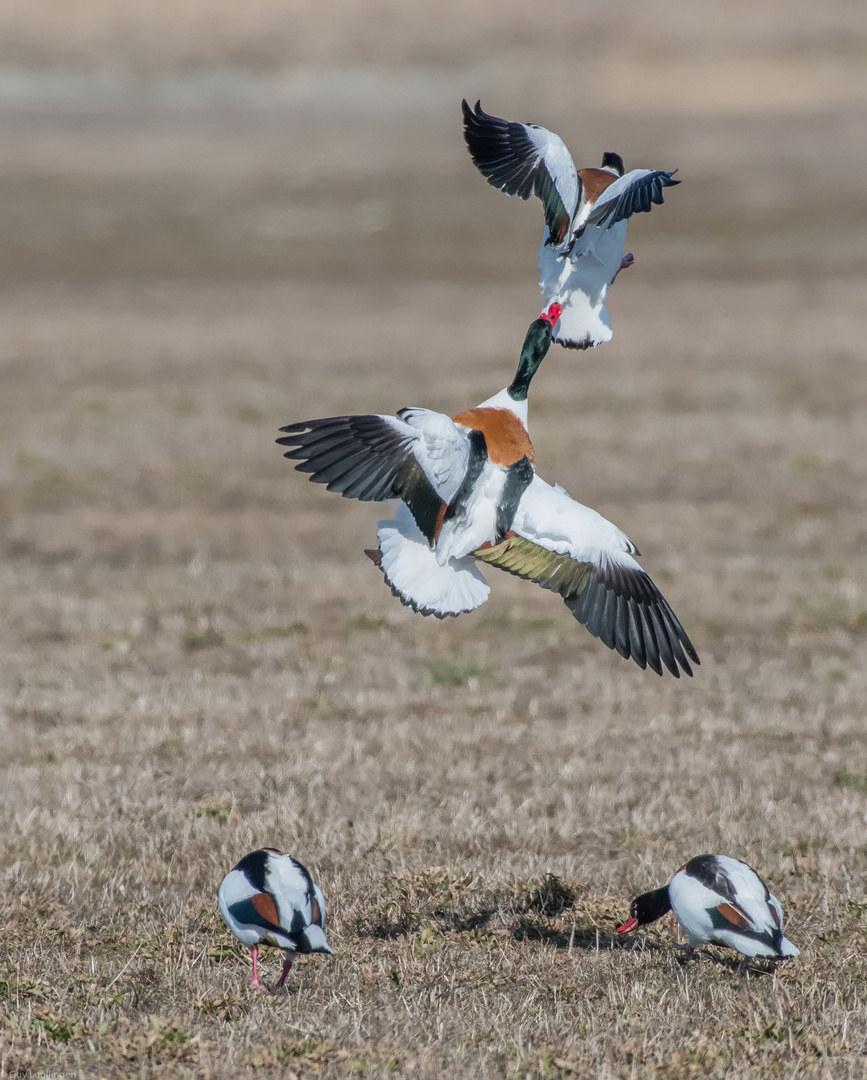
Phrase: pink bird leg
(256, 983)
(627, 261)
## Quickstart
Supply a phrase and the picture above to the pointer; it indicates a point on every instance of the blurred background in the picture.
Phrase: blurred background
(275, 141)
(219, 217)
(216, 217)
(189, 188)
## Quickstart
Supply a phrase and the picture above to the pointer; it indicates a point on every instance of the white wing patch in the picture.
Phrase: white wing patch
(441, 448)
(548, 516)
(558, 161)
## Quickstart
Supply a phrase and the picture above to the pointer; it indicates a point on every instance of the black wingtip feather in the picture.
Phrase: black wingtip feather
(504, 153)
(636, 638)
(625, 610)
(662, 640)
(648, 635)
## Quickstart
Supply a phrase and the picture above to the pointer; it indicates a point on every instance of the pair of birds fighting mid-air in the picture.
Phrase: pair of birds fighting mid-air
(269, 898)
(467, 485)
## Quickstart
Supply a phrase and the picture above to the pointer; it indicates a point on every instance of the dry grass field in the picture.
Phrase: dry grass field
(201, 242)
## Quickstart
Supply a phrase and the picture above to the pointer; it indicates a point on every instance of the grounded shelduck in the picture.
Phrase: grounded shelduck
(269, 899)
(718, 900)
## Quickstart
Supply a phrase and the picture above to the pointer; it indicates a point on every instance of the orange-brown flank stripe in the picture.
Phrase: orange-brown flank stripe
(317, 914)
(734, 915)
(441, 517)
(266, 906)
(506, 437)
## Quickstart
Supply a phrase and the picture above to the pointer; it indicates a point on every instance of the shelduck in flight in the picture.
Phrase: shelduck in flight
(469, 494)
(269, 898)
(717, 900)
(586, 212)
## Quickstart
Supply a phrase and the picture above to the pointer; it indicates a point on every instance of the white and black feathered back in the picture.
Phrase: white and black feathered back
(718, 898)
(270, 897)
(527, 159)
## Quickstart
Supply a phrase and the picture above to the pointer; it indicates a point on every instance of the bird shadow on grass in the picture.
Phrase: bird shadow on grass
(587, 938)
(462, 922)
(746, 968)
(592, 940)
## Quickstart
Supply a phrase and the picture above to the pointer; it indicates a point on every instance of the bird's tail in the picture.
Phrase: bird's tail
(315, 940)
(411, 569)
(582, 325)
(786, 948)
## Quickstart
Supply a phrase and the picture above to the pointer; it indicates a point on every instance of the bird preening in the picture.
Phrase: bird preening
(269, 898)
(586, 214)
(469, 495)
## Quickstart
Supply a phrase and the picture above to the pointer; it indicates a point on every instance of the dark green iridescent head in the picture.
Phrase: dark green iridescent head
(536, 345)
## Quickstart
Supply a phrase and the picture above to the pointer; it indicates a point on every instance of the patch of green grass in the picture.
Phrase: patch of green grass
(632, 838)
(853, 781)
(219, 811)
(249, 414)
(428, 939)
(196, 640)
(775, 735)
(56, 1027)
(366, 621)
(180, 405)
(277, 632)
(820, 611)
(48, 758)
(457, 672)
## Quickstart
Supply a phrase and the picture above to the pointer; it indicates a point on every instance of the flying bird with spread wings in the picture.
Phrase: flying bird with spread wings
(586, 214)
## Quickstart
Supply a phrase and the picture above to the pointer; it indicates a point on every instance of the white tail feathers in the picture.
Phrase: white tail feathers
(583, 325)
(411, 569)
(788, 949)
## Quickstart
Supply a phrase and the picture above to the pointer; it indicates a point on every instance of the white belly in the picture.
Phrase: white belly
(477, 524)
(580, 282)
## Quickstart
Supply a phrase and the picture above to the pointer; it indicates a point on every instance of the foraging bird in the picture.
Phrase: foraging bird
(469, 494)
(269, 898)
(717, 900)
(586, 212)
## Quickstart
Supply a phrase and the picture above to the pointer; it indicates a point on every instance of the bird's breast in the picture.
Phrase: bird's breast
(506, 437)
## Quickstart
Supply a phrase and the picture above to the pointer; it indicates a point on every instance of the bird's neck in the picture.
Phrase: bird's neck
(536, 345)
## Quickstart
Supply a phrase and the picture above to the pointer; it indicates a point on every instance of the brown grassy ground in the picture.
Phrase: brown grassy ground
(197, 659)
